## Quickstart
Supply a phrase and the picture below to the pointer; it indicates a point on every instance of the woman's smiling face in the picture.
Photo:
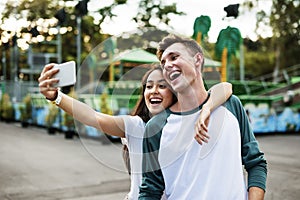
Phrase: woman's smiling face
(157, 94)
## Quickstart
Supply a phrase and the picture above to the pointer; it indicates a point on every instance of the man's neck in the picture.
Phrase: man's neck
(189, 99)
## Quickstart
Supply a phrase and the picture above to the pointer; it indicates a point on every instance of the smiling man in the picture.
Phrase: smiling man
(173, 162)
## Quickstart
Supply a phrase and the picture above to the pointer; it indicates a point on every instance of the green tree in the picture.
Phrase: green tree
(26, 110)
(228, 43)
(151, 10)
(201, 27)
(259, 57)
(285, 24)
(40, 17)
(41, 9)
(150, 13)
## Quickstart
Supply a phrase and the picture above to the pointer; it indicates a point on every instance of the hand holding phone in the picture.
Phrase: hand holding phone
(66, 74)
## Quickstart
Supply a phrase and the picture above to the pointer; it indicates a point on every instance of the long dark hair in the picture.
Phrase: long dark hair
(140, 108)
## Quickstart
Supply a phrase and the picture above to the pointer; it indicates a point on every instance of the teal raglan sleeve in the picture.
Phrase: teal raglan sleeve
(153, 185)
(253, 159)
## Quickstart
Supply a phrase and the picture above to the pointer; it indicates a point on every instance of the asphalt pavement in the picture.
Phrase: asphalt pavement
(37, 166)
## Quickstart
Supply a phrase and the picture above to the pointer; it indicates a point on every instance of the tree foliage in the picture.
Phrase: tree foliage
(201, 27)
(150, 11)
(40, 17)
(259, 57)
(30, 10)
(228, 43)
(285, 24)
(229, 38)
(268, 55)
(258, 64)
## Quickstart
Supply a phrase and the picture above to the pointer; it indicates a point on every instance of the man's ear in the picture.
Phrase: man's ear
(198, 59)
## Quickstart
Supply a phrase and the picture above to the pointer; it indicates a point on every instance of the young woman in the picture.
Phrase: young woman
(156, 96)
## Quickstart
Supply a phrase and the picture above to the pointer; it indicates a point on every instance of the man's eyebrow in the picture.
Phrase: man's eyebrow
(170, 53)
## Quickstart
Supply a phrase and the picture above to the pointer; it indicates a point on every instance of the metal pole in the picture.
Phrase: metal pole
(59, 59)
(242, 61)
(3, 86)
(11, 63)
(15, 60)
(59, 48)
(78, 20)
(4, 64)
(30, 62)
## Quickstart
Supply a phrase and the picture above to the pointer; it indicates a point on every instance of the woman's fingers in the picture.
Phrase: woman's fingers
(46, 81)
(198, 140)
(202, 126)
(201, 135)
(48, 67)
(47, 73)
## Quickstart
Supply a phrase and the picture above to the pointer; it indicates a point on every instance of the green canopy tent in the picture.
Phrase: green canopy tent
(136, 56)
(137, 60)
(129, 59)
(126, 60)
(142, 56)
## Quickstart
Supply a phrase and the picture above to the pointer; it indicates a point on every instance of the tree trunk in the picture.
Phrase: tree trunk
(199, 38)
(224, 65)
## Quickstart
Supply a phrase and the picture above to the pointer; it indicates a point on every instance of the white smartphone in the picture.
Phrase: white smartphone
(66, 74)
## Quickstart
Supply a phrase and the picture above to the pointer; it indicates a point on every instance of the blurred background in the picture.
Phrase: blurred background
(252, 44)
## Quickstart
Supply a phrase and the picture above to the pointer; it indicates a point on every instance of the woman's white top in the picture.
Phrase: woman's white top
(134, 131)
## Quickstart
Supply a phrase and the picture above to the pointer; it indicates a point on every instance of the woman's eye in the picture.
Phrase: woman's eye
(162, 86)
(149, 86)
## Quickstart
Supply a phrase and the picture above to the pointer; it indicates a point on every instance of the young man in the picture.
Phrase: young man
(172, 161)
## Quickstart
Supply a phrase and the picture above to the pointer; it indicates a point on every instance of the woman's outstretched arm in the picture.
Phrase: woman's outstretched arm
(111, 125)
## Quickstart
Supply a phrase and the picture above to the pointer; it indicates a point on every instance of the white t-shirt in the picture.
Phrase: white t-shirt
(175, 164)
(210, 171)
(134, 131)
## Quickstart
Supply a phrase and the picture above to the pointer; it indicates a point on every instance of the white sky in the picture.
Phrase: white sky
(245, 22)
(184, 24)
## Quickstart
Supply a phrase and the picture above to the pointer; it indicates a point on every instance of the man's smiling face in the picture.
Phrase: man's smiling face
(178, 67)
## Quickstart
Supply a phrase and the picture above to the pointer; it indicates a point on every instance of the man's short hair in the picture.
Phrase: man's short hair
(191, 45)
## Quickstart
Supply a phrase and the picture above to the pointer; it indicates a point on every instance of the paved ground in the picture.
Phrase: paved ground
(38, 166)
(35, 165)
(283, 156)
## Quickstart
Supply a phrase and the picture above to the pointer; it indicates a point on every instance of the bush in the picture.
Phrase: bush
(26, 110)
(6, 108)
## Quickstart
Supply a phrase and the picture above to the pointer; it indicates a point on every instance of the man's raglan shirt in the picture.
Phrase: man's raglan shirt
(175, 163)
